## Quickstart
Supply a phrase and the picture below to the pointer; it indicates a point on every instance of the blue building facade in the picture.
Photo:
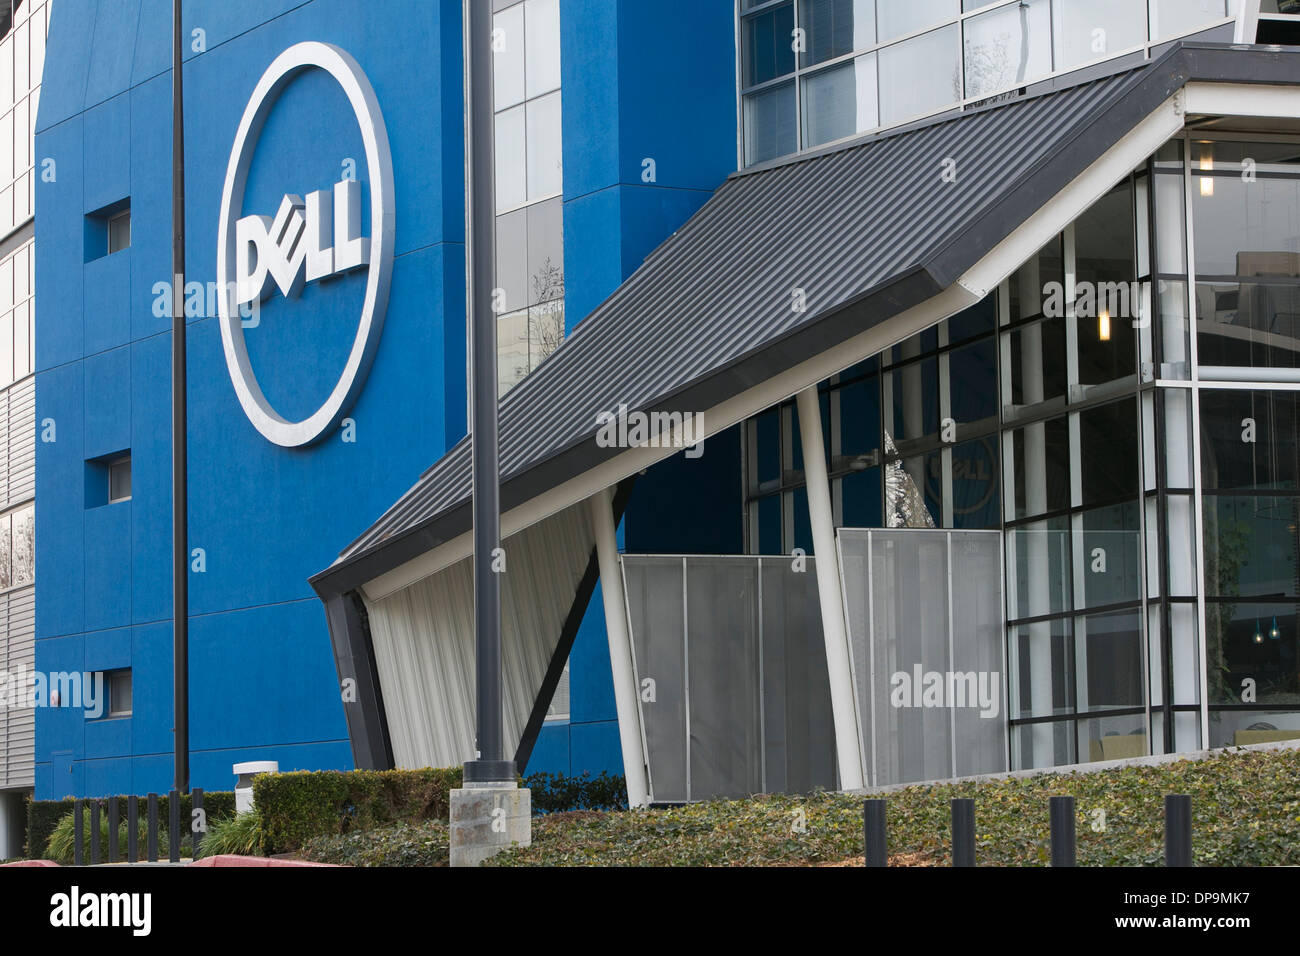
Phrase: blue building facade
(648, 133)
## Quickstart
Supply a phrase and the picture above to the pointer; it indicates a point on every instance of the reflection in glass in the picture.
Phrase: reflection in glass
(542, 22)
(1256, 226)
(1008, 47)
(1248, 439)
(1249, 324)
(920, 75)
(1038, 566)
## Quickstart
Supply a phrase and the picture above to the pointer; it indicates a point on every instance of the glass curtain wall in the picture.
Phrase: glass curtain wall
(1247, 298)
(529, 184)
(1061, 410)
(816, 71)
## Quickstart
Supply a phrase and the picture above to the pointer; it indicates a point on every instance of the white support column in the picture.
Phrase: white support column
(620, 650)
(843, 707)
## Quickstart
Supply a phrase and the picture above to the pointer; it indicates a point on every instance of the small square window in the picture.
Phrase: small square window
(119, 480)
(119, 231)
(107, 230)
(118, 685)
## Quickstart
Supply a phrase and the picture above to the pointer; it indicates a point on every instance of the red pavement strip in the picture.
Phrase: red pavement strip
(223, 860)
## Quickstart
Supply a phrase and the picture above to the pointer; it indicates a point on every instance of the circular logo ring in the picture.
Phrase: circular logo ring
(379, 162)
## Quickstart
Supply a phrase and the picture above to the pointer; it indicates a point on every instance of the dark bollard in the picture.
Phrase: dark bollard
(1062, 819)
(112, 829)
(94, 833)
(963, 832)
(152, 850)
(1178, 829)
(874, 847)
(132, 829)
(196, 834)
(174, 827)
(78, 835)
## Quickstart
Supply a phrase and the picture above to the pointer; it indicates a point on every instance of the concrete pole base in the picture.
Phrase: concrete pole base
(487, 818)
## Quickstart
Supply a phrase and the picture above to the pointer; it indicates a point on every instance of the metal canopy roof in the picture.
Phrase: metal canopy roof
(867, 230)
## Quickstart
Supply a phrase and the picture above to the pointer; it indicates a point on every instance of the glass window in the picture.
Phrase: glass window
(1038, 362)
(767, 45)
(1250, 324)
(975, 502)
(835, 27)
(899, 19)
(920, 75)
(1256, 229)
(1248, 439)
(1251, 546)
(840, 101)
(512, 350)
(973, 381)
(770, 129)
(512, 259)
(119, 480)
(1092, 29)
(511, 181)
(1111, 555)
(545, 161)
(1106, 300)
(1041, 457)
(508, 60)
(1110, 646)
(1043, 675)
(119, 693)
(545, 251)
(1172, 18)
(1008, 47)
(1108, 443)
(1253, 645)
(23, 537)
(542, 60)
(119, 231)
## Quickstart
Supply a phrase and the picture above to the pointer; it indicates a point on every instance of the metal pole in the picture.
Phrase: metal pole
(180, 493)
(491, 765)
(1178, 829)
(1061, 814)
(963, 832)
(874, 839)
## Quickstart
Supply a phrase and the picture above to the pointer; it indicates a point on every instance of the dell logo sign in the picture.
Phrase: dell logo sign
(294, 247)
(305, 241)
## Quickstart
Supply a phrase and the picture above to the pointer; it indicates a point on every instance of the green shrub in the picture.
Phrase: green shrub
(44, 815)
(240, 834)
(556, 793)
(295, 807)
(60, 846)
(402, 844)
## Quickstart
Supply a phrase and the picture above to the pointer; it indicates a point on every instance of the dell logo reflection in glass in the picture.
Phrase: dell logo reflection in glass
(305, 241)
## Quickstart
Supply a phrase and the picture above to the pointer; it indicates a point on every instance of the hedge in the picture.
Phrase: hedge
(297, 806)
(300, 806)
(44, 815)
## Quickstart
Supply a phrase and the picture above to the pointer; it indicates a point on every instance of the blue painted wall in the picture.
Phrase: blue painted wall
(263, 680)
(640, 81)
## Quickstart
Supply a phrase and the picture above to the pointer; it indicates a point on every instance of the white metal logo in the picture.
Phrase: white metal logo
(305, 241)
